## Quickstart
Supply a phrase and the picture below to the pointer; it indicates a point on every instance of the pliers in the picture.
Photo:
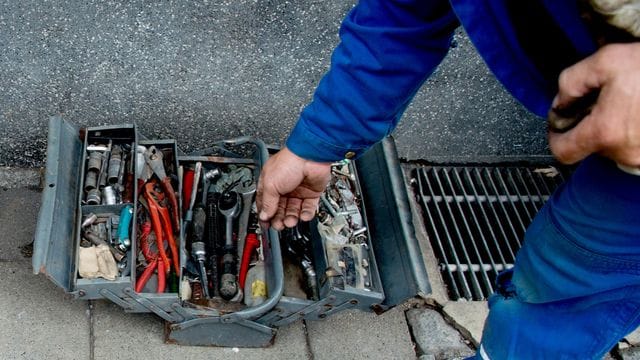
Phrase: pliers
(161, 224)
(153, 157)
(152, 261)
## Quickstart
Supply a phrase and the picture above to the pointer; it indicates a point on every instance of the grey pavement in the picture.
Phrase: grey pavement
(40, 322)
(198, 71)
(358, 335)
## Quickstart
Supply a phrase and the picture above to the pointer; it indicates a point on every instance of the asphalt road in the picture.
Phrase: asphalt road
(199, 71)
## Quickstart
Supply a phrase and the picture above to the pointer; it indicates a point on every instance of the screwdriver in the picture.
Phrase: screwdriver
(197, 246)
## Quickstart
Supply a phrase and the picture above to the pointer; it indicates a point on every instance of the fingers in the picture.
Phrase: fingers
(579, 80)
(289, 189)
(308, 209)
(612, 127)
(277, 221)
(267, 200)
(573, 145)
(292, 211)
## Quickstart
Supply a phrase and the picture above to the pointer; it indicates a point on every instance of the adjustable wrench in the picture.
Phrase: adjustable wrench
(246, 189)
(229, 207)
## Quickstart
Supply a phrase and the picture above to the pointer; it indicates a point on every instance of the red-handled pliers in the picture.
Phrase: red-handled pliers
(161, 223)
(153, 157)
(152, 261)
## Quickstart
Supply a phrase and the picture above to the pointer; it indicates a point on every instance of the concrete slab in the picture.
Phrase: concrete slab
(438, 290)
(632, 353)
(435, 337)
(634, 337)
(469, 317)
(37, 322)
(17, 220)
(354, 334)
(141, 336)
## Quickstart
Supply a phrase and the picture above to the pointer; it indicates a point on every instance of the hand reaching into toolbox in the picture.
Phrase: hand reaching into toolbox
(289, 189)
(612, 128)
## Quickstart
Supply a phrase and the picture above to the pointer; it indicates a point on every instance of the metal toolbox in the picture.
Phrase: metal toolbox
(370, 262)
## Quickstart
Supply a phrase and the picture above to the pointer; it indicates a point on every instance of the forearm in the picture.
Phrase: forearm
(387, 50)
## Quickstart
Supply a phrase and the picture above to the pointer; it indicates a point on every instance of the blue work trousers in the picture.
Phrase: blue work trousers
(575, 289)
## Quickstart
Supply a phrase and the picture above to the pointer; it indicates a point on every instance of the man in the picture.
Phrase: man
(575, 288)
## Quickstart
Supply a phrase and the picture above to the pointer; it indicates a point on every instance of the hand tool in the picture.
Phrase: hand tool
(93, 168)
(229, 207)
(213, 234)
(142, 168)
(161, 224)
(251, 245)
(109, 195)
(89, 220)
(247, 189)
(124, 240)
(115, 163)
(102, 177)
(194, 191)
(348, 264)
(207, 177)
(299, 248)
(187, 188)
(127, 194)
(97, 241)
(561, 120)
(198, 247)
(154, 158)
(153, 260)
(123, 167)
(312, 279)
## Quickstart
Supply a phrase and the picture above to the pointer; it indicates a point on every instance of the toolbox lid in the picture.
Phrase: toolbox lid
(53, 253)
(397, 252)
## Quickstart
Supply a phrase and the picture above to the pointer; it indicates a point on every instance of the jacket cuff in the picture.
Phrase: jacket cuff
(304, 143)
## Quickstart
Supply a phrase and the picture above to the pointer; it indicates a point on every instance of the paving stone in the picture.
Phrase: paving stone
(434, 336)
(37, 321)
(17, 220)
(427, 357)
(632, 353)
(141, 336)
(634, 337)
(355, 334)
(469, 316)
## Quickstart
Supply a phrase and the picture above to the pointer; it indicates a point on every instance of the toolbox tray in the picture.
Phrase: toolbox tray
(399, 271)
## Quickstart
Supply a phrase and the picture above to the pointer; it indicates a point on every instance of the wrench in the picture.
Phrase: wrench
(246, 188)
(229, 207)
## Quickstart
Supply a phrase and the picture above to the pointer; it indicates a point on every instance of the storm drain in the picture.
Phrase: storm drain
(476, 218)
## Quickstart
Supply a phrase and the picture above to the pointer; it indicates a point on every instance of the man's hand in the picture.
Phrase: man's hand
(613, 126)
(289, 189)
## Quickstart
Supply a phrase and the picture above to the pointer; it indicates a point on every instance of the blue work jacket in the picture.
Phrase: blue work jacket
(389, 48)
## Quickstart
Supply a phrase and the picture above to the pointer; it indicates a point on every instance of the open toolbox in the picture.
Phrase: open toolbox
(152, 229)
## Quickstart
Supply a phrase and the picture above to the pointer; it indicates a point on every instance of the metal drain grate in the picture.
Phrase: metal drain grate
(476, 218)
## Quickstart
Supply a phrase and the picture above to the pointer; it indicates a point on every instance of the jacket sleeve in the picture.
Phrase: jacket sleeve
(387, 50)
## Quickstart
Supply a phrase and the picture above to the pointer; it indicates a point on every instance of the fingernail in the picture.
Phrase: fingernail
(264, 216)
(554, 103)
(306, 215)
